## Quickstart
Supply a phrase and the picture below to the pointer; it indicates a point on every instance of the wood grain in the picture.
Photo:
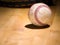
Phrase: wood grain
(14, 32)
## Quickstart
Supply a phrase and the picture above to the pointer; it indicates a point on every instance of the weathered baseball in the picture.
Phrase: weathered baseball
(39, 14)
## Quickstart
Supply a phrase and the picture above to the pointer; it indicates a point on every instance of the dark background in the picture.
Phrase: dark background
(24, 3)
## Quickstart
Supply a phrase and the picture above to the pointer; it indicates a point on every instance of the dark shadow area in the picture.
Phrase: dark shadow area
(31, 26)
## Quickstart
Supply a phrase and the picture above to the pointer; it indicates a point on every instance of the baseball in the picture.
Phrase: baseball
(40, 14)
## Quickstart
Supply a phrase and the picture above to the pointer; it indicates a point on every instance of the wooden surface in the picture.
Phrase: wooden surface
(14, 32)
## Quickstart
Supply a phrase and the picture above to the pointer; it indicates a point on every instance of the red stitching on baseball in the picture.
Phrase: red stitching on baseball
(36, 18)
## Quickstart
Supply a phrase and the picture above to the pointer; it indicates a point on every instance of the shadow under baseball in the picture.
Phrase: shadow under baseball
(31, 26)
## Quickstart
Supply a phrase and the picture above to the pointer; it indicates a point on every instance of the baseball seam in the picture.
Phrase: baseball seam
(35, 13)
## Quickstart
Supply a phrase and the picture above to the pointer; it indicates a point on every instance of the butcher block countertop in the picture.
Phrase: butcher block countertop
(16, 28)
